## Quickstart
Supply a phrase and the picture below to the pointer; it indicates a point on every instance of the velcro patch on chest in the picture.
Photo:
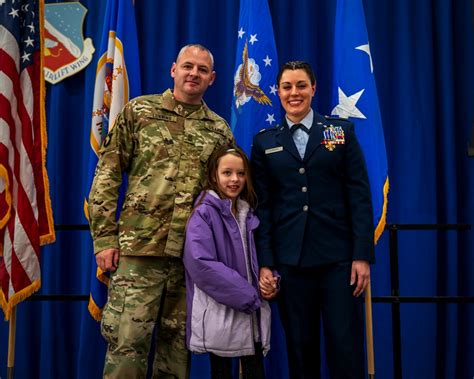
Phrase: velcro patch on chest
(165, 117)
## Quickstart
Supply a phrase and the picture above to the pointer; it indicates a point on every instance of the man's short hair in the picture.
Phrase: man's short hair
(200, 47)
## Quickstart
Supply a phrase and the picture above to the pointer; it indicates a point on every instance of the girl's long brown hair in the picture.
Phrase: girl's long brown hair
(248, 193)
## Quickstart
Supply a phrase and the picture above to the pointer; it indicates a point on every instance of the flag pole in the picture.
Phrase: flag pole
(11, 343)
(368, 332)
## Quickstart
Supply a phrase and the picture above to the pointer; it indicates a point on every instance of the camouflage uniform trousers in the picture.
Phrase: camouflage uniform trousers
(144, 292)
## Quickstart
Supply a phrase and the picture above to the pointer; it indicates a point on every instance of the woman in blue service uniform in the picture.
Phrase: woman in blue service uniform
(316, 228)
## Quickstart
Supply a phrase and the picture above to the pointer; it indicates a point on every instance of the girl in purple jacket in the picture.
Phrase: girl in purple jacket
(226, 314)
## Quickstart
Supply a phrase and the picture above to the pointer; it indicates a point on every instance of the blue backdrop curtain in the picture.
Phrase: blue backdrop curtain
(423, 54)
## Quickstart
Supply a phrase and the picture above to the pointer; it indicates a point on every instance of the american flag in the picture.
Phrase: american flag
(26, 220)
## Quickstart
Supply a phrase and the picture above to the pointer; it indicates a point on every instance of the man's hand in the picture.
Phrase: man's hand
(360, 274)
(108, 259)
(267, 283)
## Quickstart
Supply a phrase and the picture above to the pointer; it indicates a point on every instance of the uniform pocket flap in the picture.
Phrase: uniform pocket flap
(117, 299)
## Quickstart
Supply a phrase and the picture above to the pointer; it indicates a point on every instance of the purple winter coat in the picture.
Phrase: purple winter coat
(221, 300)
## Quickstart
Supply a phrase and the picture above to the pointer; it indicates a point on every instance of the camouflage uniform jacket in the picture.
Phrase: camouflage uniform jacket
(165, 174)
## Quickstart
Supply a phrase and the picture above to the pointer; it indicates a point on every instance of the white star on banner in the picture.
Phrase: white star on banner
(14, 13)
(366, 48)
(268, 61)
(2, 2)
(273, 89)
(347, 105)
(270, 118)
(241, 32)
(253, 38)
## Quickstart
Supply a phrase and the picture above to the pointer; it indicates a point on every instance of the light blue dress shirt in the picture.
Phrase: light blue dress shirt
(300, 136)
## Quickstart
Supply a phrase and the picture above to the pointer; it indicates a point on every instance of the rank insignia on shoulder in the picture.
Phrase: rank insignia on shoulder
(338, 120)
(266, 130)
(107, 139)
(332, 136)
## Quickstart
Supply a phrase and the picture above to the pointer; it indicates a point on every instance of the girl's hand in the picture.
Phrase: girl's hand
(267, 283)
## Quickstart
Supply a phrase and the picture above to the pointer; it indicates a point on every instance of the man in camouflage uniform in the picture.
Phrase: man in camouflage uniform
(162, 142)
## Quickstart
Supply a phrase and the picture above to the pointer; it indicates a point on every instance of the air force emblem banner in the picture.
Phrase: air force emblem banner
(66, 52)
(255, 100)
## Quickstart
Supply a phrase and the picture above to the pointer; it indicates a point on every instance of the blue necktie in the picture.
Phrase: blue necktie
(295, 127)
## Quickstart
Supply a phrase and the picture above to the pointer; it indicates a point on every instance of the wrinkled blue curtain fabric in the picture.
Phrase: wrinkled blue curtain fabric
(423, 55)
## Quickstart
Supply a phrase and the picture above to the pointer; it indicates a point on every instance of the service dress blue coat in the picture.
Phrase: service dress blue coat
(316, 210)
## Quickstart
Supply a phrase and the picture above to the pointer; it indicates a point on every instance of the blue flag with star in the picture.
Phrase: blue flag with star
(255, 104)
(117, 81)
(355, 97)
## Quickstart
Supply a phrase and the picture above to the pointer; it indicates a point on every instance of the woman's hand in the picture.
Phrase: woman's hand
(267, 283)
(360, 275)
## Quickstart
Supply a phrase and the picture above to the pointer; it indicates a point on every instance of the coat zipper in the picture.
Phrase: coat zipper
(248, 267)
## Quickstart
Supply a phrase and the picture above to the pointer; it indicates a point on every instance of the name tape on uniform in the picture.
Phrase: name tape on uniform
(274, 150)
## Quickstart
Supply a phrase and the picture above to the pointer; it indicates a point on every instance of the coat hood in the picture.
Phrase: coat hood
(224, 206)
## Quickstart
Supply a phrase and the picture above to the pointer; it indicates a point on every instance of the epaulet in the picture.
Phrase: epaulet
(142, 98)
(265, 130)
(337, 118)
(213, 115)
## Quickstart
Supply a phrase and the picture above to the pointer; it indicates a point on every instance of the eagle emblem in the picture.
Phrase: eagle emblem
(246, 82)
